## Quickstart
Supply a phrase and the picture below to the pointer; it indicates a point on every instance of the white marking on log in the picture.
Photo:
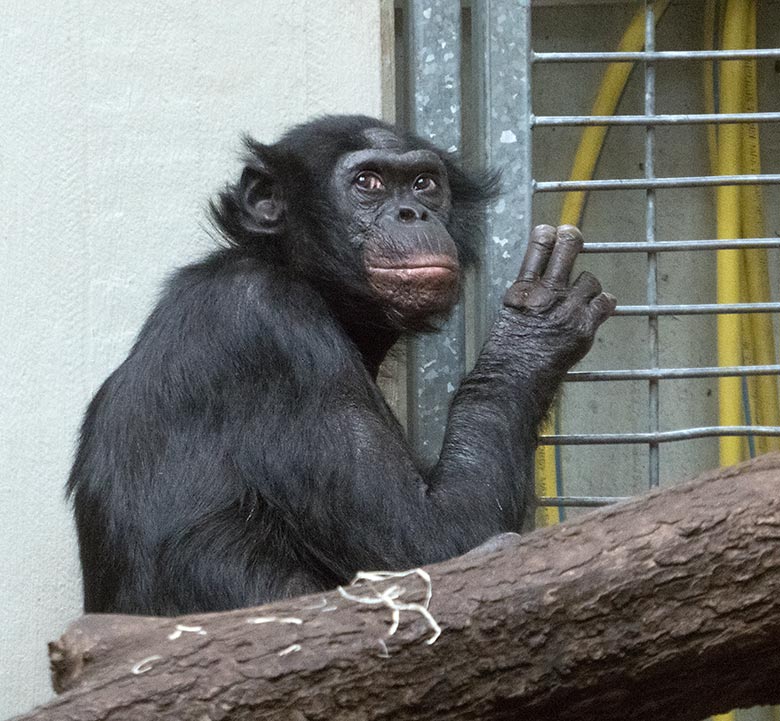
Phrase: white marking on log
(145, 665)
(275, 619)
(180, 629)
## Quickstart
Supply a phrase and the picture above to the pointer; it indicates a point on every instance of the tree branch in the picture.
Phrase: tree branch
(667, 606)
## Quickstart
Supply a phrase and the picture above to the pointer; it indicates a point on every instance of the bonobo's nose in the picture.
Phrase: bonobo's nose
(408, 214)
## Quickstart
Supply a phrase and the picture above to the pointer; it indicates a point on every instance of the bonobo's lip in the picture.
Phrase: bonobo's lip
(417, 265)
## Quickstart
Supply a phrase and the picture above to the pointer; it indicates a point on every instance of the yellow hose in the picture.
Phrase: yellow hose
(607, 98)
(749, 338)
(763, 390)
(742, 275)
(583, 168)
(732, 449)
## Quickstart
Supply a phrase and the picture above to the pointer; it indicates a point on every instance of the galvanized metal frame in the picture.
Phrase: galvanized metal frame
(502, 32)
(435, 364)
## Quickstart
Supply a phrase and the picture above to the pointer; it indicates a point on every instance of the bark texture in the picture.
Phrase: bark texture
(667, 606)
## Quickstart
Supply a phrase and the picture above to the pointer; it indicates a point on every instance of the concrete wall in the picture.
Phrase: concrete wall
(118, 121)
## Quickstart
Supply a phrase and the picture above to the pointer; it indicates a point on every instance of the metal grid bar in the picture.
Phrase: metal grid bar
(656, 183)
(654, 56)
(662, 246)
(555, 121)
(435, 364)
(654, 459)
(697, 309)
(644, 374)
(684, 434)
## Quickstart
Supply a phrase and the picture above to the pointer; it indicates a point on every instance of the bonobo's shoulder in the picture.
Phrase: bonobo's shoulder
(225, 276)
(261, 311)
(227, 291)
(223, 269)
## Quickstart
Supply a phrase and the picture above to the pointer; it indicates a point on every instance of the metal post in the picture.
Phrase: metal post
(652, 258)
(503, 36)
(435, 363)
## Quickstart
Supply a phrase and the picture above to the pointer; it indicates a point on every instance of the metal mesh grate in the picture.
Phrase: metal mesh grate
(489, 113)
(651, 247)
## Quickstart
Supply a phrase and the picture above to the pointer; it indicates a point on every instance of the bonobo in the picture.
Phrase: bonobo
(243, 452)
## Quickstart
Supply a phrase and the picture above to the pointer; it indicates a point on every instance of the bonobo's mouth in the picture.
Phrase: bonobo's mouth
(417, 286)
(419, 266)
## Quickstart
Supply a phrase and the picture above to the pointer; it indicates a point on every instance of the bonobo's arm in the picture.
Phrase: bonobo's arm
(544, 328)
(375, 509)
(337, 469)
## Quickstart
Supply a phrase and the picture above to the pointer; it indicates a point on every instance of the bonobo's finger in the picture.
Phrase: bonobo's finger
(585, 287)
(601, 307)
(540, 245)
(567, 247)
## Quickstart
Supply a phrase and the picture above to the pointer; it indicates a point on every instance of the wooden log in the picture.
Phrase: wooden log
(667, 606)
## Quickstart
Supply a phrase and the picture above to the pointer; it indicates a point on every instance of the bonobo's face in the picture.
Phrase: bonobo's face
(398, 201)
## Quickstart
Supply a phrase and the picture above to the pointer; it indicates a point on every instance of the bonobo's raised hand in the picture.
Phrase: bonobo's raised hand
(561, 318)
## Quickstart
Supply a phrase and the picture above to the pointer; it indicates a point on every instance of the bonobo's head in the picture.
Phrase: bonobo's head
(365, 212)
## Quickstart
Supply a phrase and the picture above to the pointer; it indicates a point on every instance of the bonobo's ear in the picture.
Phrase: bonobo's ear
(261, 201)
(254, 207)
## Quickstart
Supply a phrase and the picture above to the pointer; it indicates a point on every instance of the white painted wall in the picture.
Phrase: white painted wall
(118, 121)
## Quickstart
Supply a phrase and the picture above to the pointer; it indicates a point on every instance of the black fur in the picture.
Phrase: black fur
(243, 452)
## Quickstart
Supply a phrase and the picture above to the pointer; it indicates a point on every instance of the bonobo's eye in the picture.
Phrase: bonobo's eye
(366, 180)
(425, 183)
